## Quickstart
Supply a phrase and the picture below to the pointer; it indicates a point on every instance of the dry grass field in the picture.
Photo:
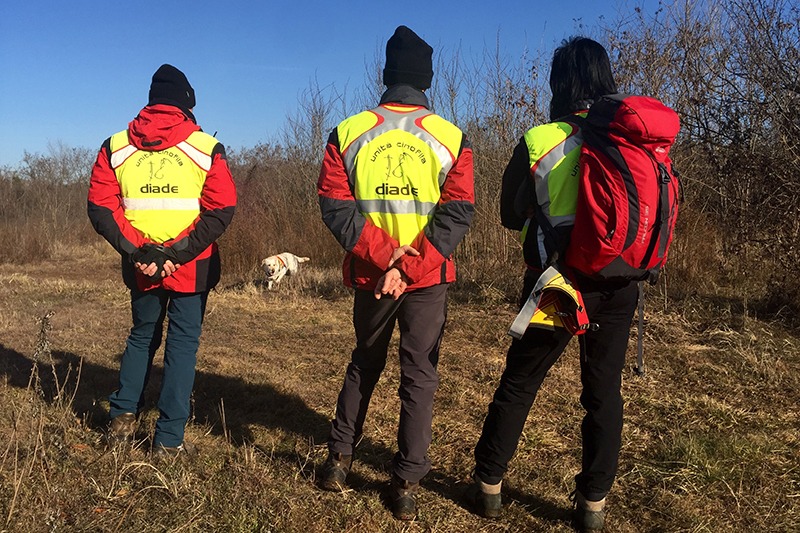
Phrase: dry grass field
(710, 442)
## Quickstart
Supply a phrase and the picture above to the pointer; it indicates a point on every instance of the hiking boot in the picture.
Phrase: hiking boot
(170, 452)
(404, 498)
(588, 516)
(122, 427)
(484, 499)
(334, 472)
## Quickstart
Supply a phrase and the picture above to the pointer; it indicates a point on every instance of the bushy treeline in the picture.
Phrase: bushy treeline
(43, 204)
(729, 67)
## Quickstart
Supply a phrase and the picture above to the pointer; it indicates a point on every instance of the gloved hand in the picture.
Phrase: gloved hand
(152, 253)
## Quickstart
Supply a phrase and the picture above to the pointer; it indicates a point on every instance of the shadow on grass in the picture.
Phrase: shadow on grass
(245, 405)
(538, 507)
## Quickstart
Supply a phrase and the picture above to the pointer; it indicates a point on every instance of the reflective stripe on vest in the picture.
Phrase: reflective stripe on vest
(161, 189)
(397, 158)
(161, 204)
(553, 150)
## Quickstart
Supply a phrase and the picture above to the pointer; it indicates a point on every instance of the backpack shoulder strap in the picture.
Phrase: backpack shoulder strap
(556, 243)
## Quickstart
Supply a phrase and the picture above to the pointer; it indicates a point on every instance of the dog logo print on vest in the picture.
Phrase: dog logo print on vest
(402, 162)
(158, 173)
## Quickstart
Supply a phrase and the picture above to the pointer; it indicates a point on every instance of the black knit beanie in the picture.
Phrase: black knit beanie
(170, 86)
(408, 60)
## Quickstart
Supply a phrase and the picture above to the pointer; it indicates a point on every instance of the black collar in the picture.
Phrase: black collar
(404, 94)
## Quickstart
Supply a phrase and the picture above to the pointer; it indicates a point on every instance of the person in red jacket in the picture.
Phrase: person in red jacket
(396, 190)
(161, 194)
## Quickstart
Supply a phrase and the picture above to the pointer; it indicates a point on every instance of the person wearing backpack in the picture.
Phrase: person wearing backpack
(544, 169)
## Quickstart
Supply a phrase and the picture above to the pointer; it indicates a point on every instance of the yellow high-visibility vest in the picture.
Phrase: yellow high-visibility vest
(553, 150)
(161, 189)
(397, 158)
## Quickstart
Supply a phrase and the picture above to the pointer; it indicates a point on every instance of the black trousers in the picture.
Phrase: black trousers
(602, 358)
(421, 316)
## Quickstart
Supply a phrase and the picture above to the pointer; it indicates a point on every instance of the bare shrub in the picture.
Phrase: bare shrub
(276, 212)
(43, 202)
(729, 67)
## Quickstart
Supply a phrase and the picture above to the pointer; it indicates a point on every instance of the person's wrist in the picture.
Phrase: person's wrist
(401, 273)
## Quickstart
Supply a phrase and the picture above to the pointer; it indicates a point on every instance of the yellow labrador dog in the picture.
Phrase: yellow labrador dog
(277, 266)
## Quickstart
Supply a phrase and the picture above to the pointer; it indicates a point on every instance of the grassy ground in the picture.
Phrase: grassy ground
(710, 441)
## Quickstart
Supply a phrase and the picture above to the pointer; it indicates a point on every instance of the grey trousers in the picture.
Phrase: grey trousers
(421, 316)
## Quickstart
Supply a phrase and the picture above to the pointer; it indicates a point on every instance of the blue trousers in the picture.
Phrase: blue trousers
(185, 313)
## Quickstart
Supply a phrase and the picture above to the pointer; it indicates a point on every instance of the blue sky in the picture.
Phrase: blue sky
(75, 72)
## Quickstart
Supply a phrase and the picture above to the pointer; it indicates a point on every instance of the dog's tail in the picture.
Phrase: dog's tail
(303, 259)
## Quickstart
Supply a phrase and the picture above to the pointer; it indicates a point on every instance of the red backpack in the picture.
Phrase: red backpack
(628, 191)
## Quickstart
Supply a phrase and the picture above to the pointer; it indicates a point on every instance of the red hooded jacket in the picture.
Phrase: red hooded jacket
(157, 128)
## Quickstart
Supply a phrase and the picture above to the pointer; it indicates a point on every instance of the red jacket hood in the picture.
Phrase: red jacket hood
(159, 127)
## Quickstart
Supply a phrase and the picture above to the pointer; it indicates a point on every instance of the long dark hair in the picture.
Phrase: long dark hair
(581, 72)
